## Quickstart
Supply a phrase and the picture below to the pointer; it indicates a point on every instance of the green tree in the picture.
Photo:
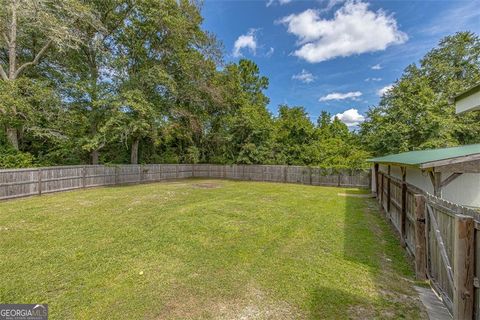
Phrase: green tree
(335, 147)
(28, 30)
(248, 125)
(86, 74)
(165, 55)
(293, 133)
(132, 119)
(416, 113)
(323, 124)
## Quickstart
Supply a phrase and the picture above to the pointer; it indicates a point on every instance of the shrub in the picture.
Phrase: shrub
(11, 158)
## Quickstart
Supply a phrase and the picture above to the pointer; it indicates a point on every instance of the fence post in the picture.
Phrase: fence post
(116, 175)
(310, 171)
(463, 264)
(339, 179)
(141, 173)
(381, 190)
(420, 238)
(389, 197)
(39, 182)
(369, 177)
(403, 216)
(285, 168)
(84, 176)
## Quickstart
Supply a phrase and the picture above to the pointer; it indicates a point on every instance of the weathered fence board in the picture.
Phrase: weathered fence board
(25, 182)
(438, 234)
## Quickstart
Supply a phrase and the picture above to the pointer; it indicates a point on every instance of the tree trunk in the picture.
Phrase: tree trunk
(134, 151)
(12, 133)
(12, 136)
(94, 155)
(12, 46)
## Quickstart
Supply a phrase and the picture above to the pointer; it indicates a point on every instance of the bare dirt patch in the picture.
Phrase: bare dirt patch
(207, 185)
(256, 304)
(354, 195)
(253, 305)
(360, 312)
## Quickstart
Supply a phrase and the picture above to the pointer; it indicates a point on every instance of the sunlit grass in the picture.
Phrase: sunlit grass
(202, 249)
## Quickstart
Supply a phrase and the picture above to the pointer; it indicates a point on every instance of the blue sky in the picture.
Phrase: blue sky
(334, 55)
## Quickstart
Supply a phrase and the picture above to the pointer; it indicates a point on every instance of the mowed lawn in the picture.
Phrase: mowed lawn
(205, 249)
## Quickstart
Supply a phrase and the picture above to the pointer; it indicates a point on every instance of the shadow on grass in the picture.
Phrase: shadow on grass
(329, 303)
(362, 235)
(369, 239)
(371, 242)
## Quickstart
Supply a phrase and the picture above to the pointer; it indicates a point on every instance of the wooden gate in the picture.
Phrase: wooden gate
(439, 249)
(443, 239)
(450, 250)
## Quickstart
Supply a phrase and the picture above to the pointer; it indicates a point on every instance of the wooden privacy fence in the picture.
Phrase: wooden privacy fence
(443, 238)
(16, 183)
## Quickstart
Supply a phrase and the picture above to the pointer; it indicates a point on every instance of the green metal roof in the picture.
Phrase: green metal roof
(416, 158)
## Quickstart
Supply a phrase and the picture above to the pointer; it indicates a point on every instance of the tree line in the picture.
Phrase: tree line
(418, 113)
(140, 81)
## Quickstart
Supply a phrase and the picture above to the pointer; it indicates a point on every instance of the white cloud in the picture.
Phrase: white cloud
(341, 96)
(281, 2)
(331, 4)
(382, 91)
(354, 29)
(373, 79)
(270, 52)
(377, 67)
(350, 117)
(245, 41)
(304, 76)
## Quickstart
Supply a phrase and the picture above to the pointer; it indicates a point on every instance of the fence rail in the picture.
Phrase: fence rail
(443, 238)
(16, 183)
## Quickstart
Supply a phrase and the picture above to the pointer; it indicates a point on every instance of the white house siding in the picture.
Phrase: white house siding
(469, 103)
(464, 190)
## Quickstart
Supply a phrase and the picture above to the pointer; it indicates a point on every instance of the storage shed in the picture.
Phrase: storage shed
(449, 173)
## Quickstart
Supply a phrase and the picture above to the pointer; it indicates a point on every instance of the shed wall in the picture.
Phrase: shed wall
(465, 190)
(469, 103)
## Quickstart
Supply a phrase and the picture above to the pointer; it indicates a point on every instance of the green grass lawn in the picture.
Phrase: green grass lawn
(205, 249)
